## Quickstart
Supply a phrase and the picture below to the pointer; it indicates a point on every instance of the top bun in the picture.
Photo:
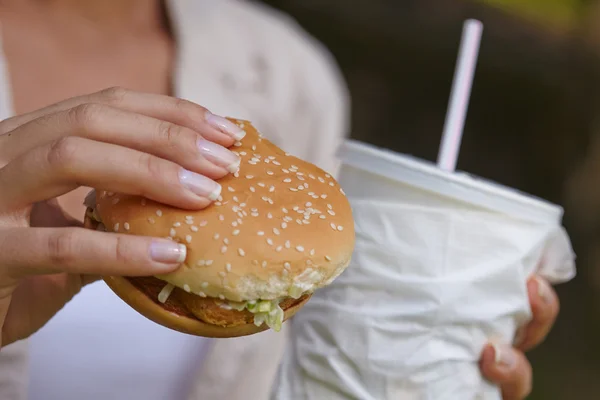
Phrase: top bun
(282, 227)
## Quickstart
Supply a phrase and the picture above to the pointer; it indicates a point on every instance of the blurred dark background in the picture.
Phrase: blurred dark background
(532, 122)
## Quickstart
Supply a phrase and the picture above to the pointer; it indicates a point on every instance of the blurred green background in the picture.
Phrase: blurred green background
(532, 122)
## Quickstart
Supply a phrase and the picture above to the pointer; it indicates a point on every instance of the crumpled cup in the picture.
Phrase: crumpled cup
(439, 269)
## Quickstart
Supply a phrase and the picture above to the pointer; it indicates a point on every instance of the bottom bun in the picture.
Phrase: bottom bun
(181, 309)
(139, 301)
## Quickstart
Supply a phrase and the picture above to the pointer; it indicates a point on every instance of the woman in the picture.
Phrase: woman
(234, 58)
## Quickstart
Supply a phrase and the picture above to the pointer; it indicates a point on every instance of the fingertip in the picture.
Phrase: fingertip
(497, 362)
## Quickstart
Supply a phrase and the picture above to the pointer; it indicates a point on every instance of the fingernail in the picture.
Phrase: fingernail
(519, 337)
(168, 252)
(225, 126)
(199, 184)
(218, 155)
(543, 290)
(504, 356)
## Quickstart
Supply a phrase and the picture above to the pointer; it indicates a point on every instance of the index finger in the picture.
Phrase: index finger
(545, 307)
(166, 108)
(35, 251)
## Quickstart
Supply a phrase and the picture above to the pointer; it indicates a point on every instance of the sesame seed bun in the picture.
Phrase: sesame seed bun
(280, 229)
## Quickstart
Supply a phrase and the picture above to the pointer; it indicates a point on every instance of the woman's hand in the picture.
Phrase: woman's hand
(162, 148)
(508, 366)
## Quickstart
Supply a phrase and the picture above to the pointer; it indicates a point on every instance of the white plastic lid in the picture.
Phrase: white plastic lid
(458, 185)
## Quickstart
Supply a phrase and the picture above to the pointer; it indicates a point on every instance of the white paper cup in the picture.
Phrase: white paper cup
(439, 269)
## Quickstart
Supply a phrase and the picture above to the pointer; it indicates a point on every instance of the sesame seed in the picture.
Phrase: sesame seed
(293, 189)
(330, 183)
(279, 248)
(252, 189)
(186, 287)
(194, 228)
(333, 226)
(221, 297)
(172, 232)
(340, 228)
(226, 241)
(276, 231)
(322, 216)
(115, 200)
(203, 223)
(270, 241)
(284, 210)
(323, 196)
(222, 274)
(330, 212)
(204, 285)
(287, 244)
(234, 224)
(283, 225)
(223, 249)
(221, 217)
(286, 265)
(269, 215)
(285, 170)
(287, 180)
(228, 267)
(216, 236)
(201, 263)
(201, 294)
(308, 204)
(236, 232)
(158, 213)
(260, 233)
(241, 252)
(236, 199)
(151, 220)
(209, 262)
(300, 248)
(261, 184)
(312, 252)
(272, 189)
(328, 258)
(189, 221)
(249, 176)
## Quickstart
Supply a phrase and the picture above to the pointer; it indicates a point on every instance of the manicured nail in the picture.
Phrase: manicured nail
(504, 356)
(167, 251)
(225, 126)
(218, 155)
(543, 290)
(199, 184)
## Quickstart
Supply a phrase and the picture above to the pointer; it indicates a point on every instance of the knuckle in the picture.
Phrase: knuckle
(122, 251)
(114, 95)
(62, 248)
(62, 153)
(169, 134)
(84, 115)
(153, 167)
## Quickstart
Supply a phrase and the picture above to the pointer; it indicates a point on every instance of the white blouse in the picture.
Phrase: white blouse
(240, 59)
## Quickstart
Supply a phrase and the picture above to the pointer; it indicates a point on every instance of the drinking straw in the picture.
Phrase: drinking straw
(460, 94)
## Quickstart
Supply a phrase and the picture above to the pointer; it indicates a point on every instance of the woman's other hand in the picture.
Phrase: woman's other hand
(508, 366)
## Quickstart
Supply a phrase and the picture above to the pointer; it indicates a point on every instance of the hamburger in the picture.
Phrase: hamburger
(280, 229)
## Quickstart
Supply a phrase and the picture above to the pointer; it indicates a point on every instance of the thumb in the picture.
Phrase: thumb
(508, 368)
